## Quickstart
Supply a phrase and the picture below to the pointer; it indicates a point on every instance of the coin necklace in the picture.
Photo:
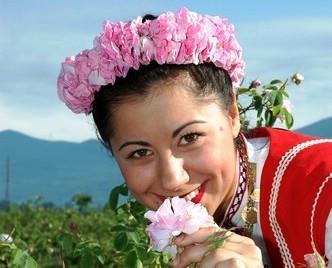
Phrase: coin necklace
(250, 213)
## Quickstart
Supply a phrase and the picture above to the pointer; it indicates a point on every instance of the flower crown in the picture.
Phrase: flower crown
(183, 37)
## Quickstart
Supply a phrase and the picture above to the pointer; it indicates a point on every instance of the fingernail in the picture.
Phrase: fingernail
(178, 239)
(176, 261)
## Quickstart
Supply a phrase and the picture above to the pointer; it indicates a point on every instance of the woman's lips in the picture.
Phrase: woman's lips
(194, 196)
(196, 199)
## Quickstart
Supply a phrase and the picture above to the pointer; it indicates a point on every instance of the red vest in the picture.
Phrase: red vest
(296, 195)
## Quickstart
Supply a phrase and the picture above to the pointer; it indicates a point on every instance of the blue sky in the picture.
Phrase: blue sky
(278, 38)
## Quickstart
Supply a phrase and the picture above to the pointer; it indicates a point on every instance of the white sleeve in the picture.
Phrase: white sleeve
(328, 239)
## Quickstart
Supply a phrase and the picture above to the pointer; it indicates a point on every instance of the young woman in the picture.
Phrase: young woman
(162, 94)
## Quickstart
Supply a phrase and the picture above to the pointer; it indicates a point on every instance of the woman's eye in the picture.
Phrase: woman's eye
(140, 153)
(189, 138)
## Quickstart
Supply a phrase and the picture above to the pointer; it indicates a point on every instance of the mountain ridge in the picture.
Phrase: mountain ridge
(56, 169)
(321, 128)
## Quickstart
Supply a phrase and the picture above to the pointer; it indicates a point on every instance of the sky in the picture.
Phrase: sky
(279, 38)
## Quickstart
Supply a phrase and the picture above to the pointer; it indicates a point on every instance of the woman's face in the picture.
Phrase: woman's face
(172, 144)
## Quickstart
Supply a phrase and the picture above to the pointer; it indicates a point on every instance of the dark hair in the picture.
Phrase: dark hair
(207, 78)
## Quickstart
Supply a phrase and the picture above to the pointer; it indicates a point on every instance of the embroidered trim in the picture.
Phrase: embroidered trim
(283, 164)
(314, 207)
(237, 199)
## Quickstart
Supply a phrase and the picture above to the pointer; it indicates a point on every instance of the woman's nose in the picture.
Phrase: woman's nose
(172, 173)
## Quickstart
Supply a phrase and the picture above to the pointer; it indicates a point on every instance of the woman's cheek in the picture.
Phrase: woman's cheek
(208, 155)
(215, 158)
(138, 179)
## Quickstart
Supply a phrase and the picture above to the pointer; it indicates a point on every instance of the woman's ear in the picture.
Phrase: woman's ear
(235, 119)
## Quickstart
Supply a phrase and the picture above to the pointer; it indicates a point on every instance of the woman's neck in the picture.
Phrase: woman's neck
(219, 214)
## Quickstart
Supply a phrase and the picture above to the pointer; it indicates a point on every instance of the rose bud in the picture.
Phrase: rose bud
(73, 227)
(297, 78)
(6, 238)
(255, 84)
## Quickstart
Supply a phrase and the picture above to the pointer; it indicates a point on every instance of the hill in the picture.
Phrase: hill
(55, 169)
(322, 128)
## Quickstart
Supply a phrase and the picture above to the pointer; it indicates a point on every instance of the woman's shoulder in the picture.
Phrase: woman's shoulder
(277, 132)
(284, 140)
(296, 190)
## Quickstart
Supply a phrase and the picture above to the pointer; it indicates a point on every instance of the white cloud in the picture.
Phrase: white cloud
(51, 124)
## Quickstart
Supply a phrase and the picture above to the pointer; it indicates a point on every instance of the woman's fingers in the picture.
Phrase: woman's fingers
(225, 257)
(235, 251)
(191, 254)
(230, 263)
(231, 252)
(203, 234)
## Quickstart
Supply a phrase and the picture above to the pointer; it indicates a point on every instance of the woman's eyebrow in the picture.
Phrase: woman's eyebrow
(143, 143)
(177, 131)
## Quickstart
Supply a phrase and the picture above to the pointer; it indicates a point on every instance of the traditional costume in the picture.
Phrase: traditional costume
(294, 179)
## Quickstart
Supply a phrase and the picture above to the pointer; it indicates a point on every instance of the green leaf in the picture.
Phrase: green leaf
(101, 259)
(276, 110)
(141, 252)
(275, 98)
(97, 252)
(121, 241)
(284, 92)
(270, 119)
(134, 237)
(279, 99)
(23, 260)
(276, 81)
(273, 121)
(123, 189)
(131, 259)
(289, 119)
(20, 257)
(260, 111)
(118, 228)
(67, 242)
(139, 264)
(114, 198)
(272, 96)
(269, 86)
(165, 258)
(137, 209)
(258, 102)
(87, 261)
(243, 90)
(31, 263)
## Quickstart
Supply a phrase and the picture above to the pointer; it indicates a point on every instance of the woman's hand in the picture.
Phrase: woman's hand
(237, 250)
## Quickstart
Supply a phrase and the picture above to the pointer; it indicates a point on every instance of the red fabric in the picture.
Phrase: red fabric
(298, 189)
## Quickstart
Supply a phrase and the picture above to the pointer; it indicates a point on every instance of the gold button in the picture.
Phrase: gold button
(255, 195)
(249, 215)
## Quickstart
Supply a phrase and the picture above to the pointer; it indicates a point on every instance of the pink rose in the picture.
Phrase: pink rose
(175, 216)
(314, 260)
